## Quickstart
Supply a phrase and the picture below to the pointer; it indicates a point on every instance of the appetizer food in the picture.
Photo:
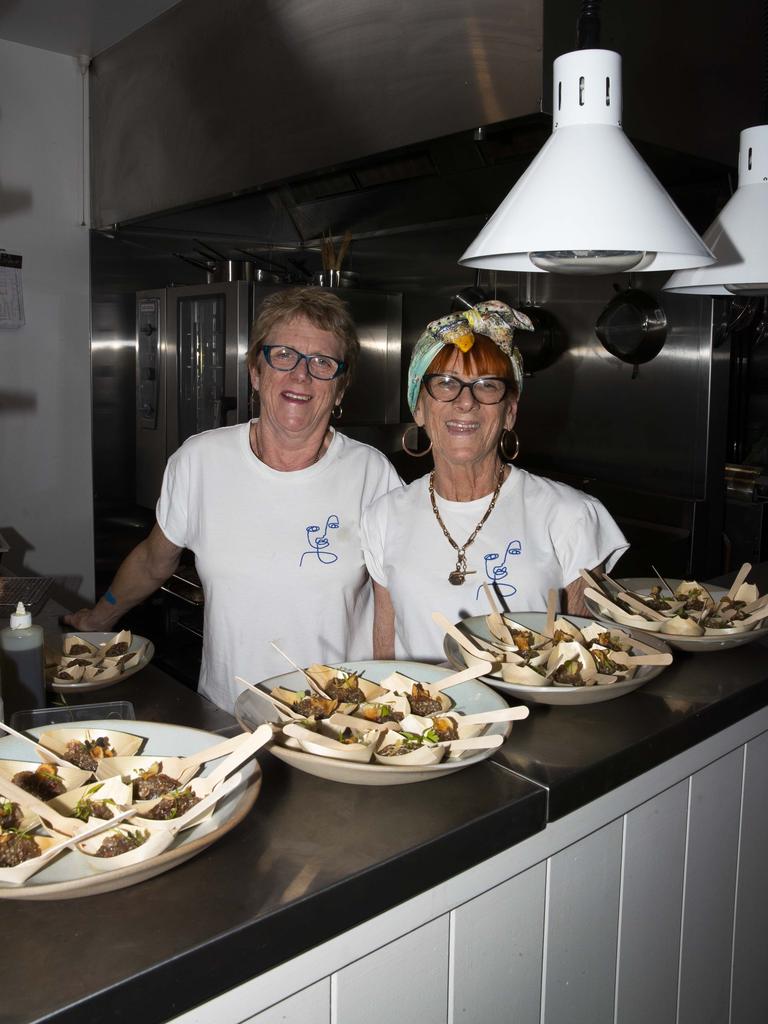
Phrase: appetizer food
(11, 816)
(689, 610)
(81, 660)
(90, 807)
(122, 841)
(43, 782)
(152, 782)
(86, 754)
(173, 805)
(17, 847)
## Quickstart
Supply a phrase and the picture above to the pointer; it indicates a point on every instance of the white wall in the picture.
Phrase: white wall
(46, 488)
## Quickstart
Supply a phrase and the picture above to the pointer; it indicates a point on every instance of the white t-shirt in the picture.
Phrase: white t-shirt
(279, 554)
(540, 534)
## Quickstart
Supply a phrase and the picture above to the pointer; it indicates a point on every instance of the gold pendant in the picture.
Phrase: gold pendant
(458, 576)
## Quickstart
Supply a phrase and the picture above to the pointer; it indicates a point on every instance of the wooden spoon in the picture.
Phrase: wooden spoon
(21, 872)
(473, 743)
(495, 620)
(50, 818)
(283, 709)
(461, 639)
(659, 658)
(549, 629)
(244, 752)
(473, 672)
(643, 609)
(312, 684)
(741, 576)
(515, 714)
(663, 581)
(46, 755)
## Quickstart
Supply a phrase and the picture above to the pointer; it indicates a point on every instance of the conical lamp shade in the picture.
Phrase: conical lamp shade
(588, 202)
(738, 236)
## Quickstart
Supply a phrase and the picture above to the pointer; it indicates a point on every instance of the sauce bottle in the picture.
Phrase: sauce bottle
(21, 654)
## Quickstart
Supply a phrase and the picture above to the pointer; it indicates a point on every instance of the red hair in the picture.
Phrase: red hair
(484, 359)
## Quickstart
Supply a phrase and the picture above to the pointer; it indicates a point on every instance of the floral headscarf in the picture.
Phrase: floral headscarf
(495, 319)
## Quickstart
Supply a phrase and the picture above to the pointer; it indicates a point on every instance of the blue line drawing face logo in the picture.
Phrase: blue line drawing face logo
(318, 544)
(496, 571)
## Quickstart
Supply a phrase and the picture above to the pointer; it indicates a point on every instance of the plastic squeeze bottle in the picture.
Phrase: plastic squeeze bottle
(23, 668)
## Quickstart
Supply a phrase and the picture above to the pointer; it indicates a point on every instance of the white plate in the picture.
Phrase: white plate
(100, 639)
(469, 698)
(558, 695)
(69, 875)
(642, 585)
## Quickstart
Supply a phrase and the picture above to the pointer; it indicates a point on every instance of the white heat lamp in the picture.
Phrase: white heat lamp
(588, 203)
(738, 236)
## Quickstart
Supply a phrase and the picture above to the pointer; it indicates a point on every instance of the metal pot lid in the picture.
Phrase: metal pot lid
(633, 327)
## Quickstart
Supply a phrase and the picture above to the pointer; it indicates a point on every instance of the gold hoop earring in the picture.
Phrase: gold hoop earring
(412, 451)
(254, 401)
(506, 455)
(337, 411)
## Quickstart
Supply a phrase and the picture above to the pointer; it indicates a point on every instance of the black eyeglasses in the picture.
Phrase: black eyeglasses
(281, 357)
(485, 390)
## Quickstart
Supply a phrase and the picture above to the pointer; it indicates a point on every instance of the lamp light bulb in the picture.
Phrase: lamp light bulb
(590, 261)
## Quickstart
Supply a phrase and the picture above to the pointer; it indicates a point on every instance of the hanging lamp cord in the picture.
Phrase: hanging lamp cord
(588, 26)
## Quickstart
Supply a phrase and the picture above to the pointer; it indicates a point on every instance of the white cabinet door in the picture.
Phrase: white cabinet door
(496, 951)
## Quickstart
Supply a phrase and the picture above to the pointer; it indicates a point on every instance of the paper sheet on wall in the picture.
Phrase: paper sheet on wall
(11, 295)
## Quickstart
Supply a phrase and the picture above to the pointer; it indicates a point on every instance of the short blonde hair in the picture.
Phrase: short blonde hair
(321, 307)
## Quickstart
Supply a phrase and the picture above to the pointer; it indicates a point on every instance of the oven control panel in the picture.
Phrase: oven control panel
(148, 362)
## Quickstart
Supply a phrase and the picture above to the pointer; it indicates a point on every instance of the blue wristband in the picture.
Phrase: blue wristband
(110, 598)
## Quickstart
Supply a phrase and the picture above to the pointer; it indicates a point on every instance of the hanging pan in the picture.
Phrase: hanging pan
(632, 327)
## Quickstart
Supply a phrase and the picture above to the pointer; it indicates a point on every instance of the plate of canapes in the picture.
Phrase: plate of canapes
(688, 615)
(93, 661)
(379, 723)
(567, 660)
(91, 809)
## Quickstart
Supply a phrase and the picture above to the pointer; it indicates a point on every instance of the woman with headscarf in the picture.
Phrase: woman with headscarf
(475, 518)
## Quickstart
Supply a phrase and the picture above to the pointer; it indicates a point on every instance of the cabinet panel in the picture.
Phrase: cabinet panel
(310, 1006)
(651, 909)
(750, 993)
(407, 978)
(582, 929)
(713, 826)
(497, 948)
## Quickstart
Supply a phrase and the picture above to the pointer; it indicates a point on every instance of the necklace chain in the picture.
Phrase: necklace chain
(461, 572)
(256, 447)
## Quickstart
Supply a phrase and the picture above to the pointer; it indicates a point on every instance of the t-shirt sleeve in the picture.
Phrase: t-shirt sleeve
(372, 538)
(173, 504)
(591, 538)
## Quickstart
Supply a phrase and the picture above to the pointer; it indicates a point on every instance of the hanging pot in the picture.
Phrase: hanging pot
(544, 344)
(632, 327)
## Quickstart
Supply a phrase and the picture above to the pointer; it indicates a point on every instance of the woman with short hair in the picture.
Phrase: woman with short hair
(271, 510)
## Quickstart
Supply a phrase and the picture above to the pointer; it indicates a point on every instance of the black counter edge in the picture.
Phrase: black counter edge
(627, 765)
(227, 961)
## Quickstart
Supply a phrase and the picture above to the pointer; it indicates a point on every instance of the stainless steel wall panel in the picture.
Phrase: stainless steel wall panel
(582, 926)
(496, 953)
(651, 909)
(749, 1003)
(587, 415)
(710, 886)
(210, 99)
